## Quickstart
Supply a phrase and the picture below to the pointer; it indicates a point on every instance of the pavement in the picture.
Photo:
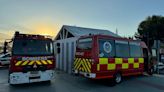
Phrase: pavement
(64, 82)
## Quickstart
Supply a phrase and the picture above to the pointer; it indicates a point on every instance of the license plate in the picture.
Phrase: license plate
(34, 80)
(34, 74)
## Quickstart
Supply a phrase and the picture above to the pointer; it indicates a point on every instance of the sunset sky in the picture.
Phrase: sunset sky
(47, 16)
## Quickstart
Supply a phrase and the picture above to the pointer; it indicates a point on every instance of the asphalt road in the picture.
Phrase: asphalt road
(68, 83)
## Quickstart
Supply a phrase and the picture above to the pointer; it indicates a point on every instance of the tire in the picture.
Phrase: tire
(117, 78)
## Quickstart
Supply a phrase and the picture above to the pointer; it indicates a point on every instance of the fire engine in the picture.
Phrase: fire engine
(107, 57)
(32, 59)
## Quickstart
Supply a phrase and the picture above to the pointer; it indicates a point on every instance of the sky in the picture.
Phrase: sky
(47, 16)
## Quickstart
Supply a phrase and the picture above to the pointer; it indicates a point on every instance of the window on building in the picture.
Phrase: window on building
(106, 48)
(135, 49)
(122, 49)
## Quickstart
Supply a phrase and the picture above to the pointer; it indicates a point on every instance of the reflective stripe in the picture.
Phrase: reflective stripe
(49, 61)
(38, 62)
(103, 61)
(82, 64)
(18, 63)
(76, 63)
(118, 60)
(111, 66)
(44, 62)
(79, 63)
(31, 63)
(87, 66)
(141, 60)
(125, 66)
(130, 60)
(136, 65)
(119, 63)
(25, 63)
(98, 67)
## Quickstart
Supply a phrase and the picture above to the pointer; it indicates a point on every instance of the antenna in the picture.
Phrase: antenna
(116, 31)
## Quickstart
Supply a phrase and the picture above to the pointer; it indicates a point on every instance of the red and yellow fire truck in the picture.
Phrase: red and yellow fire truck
(105, 57)
(32, 59)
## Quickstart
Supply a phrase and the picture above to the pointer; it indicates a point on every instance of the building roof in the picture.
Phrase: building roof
(73, 31)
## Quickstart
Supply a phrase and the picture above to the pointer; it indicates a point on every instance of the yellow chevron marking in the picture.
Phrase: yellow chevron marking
(18, 63)
(87, 67)
(79, 64)
(49, 61)
(84, 66)
(89, 64)
(76, 63)
(25, 63)
(44, 62)
(32, 62)
(38, 62)
(80, 68)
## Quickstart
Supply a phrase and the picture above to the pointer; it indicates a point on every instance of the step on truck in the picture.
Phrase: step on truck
(107, 57)
(32, 59)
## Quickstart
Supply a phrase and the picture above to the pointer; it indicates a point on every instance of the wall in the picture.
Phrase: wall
(64, 59)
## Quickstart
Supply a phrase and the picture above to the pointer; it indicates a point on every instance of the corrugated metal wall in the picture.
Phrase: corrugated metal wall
(64, 59)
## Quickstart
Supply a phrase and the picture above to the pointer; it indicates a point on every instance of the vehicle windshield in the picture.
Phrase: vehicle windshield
(32, 47)
(84, 44)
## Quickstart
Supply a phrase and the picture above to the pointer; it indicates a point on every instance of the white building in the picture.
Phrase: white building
(65, 41)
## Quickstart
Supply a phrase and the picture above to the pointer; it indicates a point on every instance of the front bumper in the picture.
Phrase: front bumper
(85, 74)
(21, 78)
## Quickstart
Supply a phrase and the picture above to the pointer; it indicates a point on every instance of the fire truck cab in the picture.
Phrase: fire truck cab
(107, 57)
(32, 59)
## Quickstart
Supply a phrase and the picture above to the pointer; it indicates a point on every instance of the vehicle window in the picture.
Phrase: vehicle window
(84, 44)
(32, 47)
(135, 49)
(122, 49)
(106, 48)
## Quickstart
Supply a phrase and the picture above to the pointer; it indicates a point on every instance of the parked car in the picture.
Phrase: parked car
(5, 59)
(160, 65)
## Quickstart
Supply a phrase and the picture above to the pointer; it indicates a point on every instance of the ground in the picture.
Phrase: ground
(69, 83)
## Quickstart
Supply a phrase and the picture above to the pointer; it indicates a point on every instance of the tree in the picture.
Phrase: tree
(152, 28)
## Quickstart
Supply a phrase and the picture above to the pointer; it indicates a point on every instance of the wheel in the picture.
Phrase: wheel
(118, 78)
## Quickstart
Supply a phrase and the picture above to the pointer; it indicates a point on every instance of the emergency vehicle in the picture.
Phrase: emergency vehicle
(32, 59)
(107, 57)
